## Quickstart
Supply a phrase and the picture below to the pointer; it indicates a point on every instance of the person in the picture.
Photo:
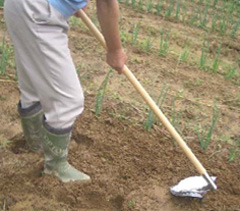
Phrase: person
(51, 95)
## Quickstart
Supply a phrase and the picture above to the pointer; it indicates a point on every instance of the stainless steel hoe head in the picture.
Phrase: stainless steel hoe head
(195, 187)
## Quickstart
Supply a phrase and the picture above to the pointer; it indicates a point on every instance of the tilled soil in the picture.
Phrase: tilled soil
(131, 169)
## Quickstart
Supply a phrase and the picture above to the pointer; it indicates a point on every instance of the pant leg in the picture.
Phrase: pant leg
(39, 33)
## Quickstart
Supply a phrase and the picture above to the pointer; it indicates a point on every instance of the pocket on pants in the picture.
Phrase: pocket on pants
(40, 11)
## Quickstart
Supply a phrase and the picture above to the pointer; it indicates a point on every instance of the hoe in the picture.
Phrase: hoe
(196, 186)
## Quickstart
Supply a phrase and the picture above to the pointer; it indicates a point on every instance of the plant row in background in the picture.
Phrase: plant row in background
(219, 16)
(6, 56)
(149, 43)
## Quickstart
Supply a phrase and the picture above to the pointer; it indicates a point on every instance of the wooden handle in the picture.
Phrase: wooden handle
(147, 98)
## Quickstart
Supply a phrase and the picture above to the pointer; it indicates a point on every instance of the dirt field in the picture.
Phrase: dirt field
(132, 168)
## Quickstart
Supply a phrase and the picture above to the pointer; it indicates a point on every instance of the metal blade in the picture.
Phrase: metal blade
(195, 187)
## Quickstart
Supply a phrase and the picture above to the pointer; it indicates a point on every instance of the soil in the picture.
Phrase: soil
(131, 168)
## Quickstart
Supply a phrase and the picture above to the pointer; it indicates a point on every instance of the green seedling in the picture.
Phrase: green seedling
(149, 6)
(160, 100)
(204, 21)
(184, 54)
(169, 9)
(223, 26)
(177, 10)
(124, 36)
(214, 22)
(230, 7)
(1, 3)
(215, 3)
(135, 33)
(100, 94)
(235, 150)
(4, 56)
(127, 2)
(131, 203)
(204, 54)
(164, 42)
(231, 72)
(235, 29)
(3, 97)
(74, 21)
(159, 7)
(184, 13)
(5, 143)
(203, 135)
(147, 44)
(140, 5)
(194, 18)
(215, 65)
(133, 3)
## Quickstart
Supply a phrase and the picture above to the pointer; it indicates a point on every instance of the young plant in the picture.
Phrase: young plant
(235, 29)
(169, 9)
(164, 43)
(214, 22)
(149, 6)
(140, 5)
(74, 21)
(135, 33)
(231, 72)
(184, 54)
(235, 150)
(5, 51)
(215, 65)
(204, 54)
(204, 21)
(124, 36)
(133, 3)
(184, 13)
(159, 7)
(205, 136)
(177, 10)
(147, 44)
(193, 19)
(151, 117)
(223, 26)
(101, 93)
(215, 3)
(127, 2)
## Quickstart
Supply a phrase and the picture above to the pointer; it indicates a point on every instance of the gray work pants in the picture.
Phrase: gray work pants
(45, 68)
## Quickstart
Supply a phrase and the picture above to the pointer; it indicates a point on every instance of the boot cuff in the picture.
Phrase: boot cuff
(56, 131)
(29, 111)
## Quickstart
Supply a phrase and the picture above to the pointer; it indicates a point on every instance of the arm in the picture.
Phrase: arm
(108, 16)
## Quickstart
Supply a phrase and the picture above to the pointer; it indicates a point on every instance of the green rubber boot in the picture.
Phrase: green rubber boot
(55, 147)
(31, 120)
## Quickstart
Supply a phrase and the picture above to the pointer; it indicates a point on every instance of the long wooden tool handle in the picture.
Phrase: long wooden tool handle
(147, 98)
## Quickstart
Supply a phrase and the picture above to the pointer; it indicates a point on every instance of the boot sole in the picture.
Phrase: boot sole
(54, 173)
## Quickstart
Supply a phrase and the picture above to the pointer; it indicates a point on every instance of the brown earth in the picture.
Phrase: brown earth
(131, 168)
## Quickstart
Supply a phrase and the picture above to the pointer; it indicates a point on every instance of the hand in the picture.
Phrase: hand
(117, 59)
